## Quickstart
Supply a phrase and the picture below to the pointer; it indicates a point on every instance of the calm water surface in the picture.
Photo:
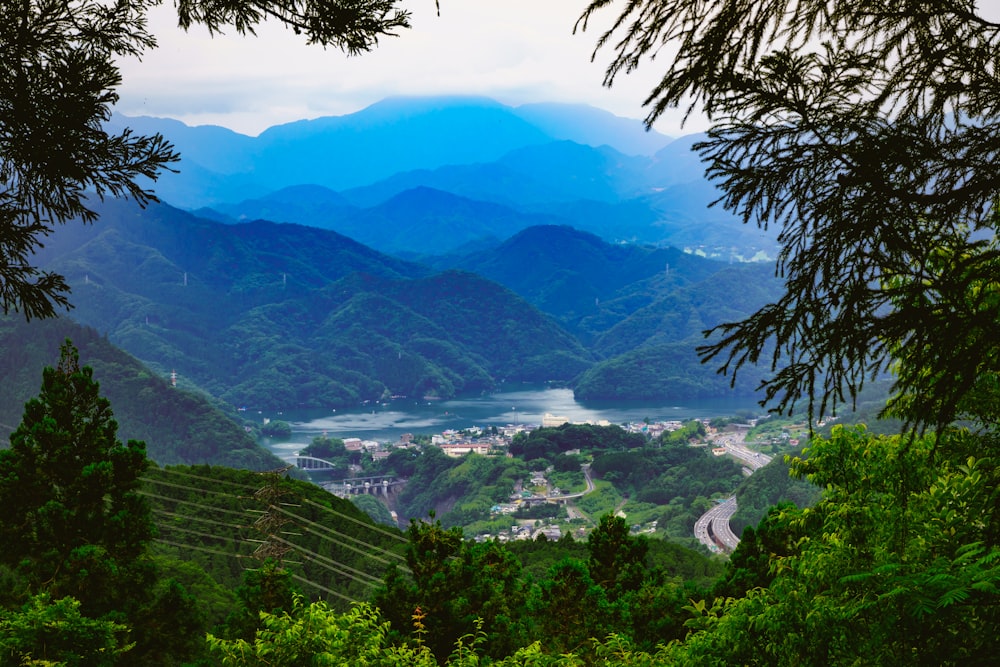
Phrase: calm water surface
(527, 405)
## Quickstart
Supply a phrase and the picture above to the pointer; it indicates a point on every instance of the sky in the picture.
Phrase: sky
(515, 51)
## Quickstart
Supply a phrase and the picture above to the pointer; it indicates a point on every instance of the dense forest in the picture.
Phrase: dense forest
(201, 565)
(217, 546)
(282, 316)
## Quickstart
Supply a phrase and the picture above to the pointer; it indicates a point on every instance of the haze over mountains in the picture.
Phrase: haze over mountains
(462, 170)
(439, 247)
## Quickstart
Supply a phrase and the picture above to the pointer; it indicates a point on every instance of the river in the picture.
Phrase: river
(522, 405)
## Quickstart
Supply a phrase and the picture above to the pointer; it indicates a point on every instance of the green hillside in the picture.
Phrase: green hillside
(217, 518)
(178, 425)
(274, 315)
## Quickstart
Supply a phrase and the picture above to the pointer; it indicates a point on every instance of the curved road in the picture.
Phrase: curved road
(716, 522)
(712, 527)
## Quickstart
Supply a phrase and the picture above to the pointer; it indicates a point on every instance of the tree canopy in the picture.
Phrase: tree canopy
(75, 523)
(869, 133)
(58, 78)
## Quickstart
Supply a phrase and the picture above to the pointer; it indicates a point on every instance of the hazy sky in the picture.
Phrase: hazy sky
(515, 51)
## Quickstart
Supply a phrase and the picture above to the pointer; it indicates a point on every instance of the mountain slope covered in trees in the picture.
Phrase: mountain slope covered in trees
(285, 315)
(179, 426)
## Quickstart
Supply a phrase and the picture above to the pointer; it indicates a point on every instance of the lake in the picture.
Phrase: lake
(523, 405)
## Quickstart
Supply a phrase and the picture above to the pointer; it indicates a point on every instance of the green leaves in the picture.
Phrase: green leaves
(869, 135)
(58, 77)
(897, 563)
(56, 632)
(74, 524)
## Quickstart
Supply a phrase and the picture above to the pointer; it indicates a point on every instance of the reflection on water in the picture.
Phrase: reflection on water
(386, 422)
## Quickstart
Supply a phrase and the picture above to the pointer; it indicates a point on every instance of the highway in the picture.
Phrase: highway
(712, 528)
(716, 522)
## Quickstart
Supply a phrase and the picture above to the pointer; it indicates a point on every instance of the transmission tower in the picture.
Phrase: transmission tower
(271, 520)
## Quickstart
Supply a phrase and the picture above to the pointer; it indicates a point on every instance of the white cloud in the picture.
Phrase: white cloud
(516, 51)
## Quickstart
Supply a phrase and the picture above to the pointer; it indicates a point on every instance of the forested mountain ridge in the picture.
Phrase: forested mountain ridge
(285, 315)
(584, 282)
(178, 426)
(641, 310)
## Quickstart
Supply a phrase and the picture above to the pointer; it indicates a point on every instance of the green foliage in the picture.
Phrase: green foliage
(324, 447)
(897, 563)
(846, 127)
(459, 588)
(767, 487)
(78, 526)
(375, 509)
(547, 443)
(268, 589)
(205, 516)
(55, 632)
(316, 635)
(74, 523)
(675, 473)
(569, 608)
(276, 429)
(462, 490)
(667, 371)
(177, 425)
(350, 325)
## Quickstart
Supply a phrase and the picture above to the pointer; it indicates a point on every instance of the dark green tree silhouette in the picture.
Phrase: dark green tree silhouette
(617, 560)
(569, 609)
(269, 589)
(58, 77)
(73, 521)
(868, 133)
(455, 584)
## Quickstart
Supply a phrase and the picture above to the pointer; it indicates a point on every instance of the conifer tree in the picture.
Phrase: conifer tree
(58, 82)
(868, 133)
(73, 523)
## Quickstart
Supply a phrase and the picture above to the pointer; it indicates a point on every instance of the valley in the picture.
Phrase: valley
(378, 298)
(537, 492)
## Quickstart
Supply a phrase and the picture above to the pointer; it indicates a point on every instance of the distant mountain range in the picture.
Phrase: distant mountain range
(284, 315)
(461, 171)
(280, 315)
(423, 247)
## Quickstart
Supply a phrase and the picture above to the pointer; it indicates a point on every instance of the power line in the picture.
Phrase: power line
(369, 526)
(227, 538)
(339, 534)
(182, 545)
(372, 527)
(193, 488)
(213, 480)
(332, 565)
(297, 517)
(189, 517)
(194, 504)
(318, 559)
(322, 588)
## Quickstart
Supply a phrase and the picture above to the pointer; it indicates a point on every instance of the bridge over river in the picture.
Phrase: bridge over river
(383, 485)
